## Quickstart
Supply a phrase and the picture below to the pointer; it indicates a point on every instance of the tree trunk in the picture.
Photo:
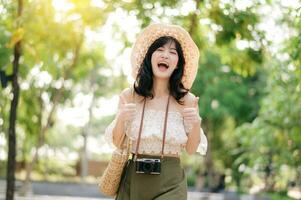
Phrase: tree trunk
(58, 95)
(268, 173)
(11, 163)
(208, 159)
(84, 157)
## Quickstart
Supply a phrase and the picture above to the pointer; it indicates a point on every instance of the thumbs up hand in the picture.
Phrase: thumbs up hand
(191, 114)
(127, 111)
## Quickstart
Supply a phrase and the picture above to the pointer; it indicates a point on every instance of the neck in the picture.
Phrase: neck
(160, 88)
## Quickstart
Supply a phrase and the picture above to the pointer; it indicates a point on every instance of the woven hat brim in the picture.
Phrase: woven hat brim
(155, 31)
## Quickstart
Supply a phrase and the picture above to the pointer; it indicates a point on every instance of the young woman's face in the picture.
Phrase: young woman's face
(164, 60)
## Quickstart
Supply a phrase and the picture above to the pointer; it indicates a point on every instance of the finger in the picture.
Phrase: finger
(130, 109)
(132, 116)
(189, 116)
(130, 105)
(185, 116)
(189, 112)
(132, 112)
(190, 109)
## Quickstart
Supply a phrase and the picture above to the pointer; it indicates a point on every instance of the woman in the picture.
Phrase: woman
(159, 115)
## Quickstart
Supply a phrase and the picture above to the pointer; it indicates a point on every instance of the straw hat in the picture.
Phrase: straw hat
(155, 31)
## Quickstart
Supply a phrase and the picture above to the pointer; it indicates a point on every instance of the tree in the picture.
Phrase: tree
(272, 140)
(10, 178)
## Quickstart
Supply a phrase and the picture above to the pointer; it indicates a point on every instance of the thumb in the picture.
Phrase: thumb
(196, 103)
(122, 100)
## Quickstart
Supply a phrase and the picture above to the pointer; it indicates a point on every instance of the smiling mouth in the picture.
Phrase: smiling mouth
(163, 65)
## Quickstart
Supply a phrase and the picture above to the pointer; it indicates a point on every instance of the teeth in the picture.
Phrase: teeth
(164, 64)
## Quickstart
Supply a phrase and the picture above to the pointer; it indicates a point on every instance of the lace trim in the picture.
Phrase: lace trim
(153, 123)
(153, 145)
(152, 133)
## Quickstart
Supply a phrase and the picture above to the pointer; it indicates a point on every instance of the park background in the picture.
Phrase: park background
(73, 61)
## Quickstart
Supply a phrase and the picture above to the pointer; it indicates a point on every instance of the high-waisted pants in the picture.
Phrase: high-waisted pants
(171, 184)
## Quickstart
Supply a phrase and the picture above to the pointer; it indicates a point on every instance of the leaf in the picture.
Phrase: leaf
(17, 36)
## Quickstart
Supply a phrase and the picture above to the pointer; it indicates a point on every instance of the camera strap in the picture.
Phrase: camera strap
(141, 125)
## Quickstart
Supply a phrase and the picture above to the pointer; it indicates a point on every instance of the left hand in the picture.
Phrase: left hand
(191, 114)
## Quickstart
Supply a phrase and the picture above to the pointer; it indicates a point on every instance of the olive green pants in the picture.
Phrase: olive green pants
(169, 185)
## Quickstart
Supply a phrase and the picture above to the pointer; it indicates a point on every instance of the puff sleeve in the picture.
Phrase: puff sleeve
(202, 147)
(109, 133)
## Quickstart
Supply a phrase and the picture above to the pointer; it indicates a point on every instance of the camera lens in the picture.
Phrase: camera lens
(147, 167)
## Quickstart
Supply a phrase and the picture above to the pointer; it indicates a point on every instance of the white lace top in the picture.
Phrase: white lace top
(152, 133)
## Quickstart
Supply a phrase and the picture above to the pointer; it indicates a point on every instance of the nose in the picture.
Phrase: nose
(165, 54)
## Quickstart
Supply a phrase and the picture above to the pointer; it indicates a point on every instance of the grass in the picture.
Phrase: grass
(279, 196)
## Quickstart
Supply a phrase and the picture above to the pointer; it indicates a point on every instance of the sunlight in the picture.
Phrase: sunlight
(76, 116)
(62, 5)
(243, 5)
(2, 10)
(117, 56)
(3, 154)
(99, 146)
(106, 106)
(40, 78)
(291, 3)
(98, 3)
(242, 44)
(187, 7)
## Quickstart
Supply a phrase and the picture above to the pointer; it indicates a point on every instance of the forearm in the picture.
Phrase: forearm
(194, 139)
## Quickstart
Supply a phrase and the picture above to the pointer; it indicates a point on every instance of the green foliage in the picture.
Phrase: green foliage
(51, 166)
(3, 168)
(54, 50)
(272, 142)
(276, 196)
(249, 98)
(191, 180)
(235, 23)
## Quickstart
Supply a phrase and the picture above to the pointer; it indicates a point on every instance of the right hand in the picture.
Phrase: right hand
(127, 111)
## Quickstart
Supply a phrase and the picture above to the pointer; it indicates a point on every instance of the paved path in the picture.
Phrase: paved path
(58, 189)
(74, 191)
(45, 197)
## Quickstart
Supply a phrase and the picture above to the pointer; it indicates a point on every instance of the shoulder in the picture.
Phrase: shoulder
(189, 99)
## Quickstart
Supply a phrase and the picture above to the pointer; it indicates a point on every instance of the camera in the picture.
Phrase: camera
(148, 166)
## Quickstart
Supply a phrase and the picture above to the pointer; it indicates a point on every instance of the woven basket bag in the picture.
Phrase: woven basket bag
(108, 183)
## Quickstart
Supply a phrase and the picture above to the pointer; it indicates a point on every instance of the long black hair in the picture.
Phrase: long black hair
(144, 82)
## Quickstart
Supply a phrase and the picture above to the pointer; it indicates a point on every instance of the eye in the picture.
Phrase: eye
(160, 49)
(174, 52)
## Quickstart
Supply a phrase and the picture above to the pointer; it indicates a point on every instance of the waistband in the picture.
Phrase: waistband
(165, 157)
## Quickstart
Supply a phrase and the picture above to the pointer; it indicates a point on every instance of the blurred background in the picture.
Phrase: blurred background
(73, 59)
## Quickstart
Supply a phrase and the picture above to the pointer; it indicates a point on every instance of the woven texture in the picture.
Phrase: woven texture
(109, 181)
(155, 31)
